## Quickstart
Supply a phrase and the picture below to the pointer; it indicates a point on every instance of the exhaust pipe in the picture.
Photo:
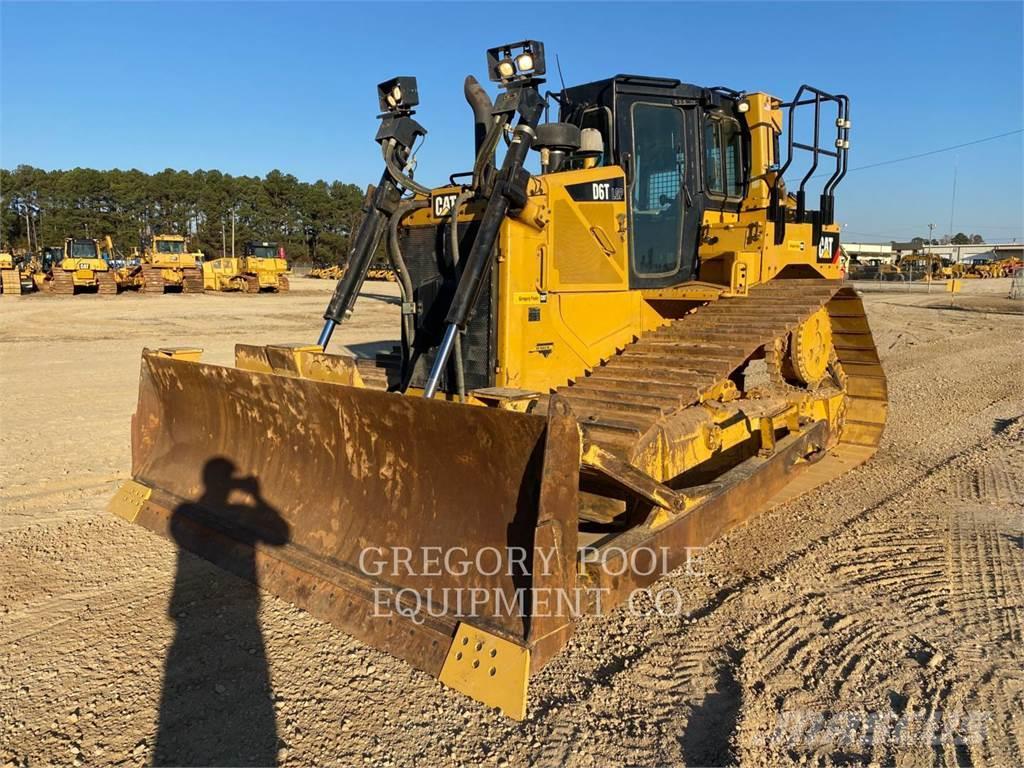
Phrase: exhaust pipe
(481, 105)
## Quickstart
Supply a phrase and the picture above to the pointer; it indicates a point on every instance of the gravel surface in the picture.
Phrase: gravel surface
(878, 619)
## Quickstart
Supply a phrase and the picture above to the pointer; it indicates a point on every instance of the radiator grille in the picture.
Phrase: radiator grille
(428, 257)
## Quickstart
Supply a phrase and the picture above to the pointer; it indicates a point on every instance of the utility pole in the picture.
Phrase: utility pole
(952, 205)
(223, 240)
(232, 233)
(930, 228)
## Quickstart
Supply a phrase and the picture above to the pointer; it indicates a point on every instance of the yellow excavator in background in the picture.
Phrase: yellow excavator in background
(167, 263)
(603, 364)
(80, 268)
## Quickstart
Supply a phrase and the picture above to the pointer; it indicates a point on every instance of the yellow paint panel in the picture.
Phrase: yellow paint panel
(489, 669)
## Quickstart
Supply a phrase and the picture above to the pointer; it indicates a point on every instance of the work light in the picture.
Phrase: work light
(399, 94)
(516, 61)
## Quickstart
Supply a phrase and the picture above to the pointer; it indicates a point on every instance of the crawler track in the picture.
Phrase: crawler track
(192, 282)
(106, 284)
(671, 369)
(10, 282)
(152, 279)
(61, 283)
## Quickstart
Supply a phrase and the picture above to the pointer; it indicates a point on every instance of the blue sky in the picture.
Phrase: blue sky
(248, 87)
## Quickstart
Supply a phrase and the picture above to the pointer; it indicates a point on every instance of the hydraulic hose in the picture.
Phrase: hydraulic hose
(453, 235)
(509, 185)
(404, 281)
(399, 174)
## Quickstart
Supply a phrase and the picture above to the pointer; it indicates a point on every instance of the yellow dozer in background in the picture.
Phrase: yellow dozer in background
(601, 365)
(168, 264)
(81, 269)
(126, 269)
(37, 268)
(262, 267)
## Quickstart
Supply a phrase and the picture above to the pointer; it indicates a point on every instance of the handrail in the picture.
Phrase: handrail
(808, 95)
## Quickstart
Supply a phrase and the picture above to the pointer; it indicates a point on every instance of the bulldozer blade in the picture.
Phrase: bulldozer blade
(415, 525)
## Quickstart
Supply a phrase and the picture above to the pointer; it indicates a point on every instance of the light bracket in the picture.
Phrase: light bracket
(398, 96)
(501, 57)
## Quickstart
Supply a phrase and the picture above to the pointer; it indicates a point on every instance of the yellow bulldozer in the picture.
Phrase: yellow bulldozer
(168, 264)
(928, 267)
(262, 267)
(126, 269)
(80, 268)
(37, 268)
(603, 364)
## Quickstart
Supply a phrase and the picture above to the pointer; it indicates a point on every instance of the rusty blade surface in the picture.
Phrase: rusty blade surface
(332, 472)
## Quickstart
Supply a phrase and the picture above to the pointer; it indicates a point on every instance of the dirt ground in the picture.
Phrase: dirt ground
(879, 619)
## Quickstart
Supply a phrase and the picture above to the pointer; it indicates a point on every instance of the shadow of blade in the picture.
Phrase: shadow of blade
(217, 704)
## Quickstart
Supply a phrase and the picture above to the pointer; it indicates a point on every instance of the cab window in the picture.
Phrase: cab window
(656, 188)
(723, 158)
(83, 249)
(170, 246)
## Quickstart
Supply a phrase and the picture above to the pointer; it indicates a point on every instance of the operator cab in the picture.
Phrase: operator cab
(262, 250)
(52, 254)
(684, 151)
(80, 248)
(170, 246)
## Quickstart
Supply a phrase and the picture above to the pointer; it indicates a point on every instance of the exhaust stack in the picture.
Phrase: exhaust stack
(481, 104)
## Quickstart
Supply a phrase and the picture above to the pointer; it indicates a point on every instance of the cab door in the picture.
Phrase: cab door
(660, 163)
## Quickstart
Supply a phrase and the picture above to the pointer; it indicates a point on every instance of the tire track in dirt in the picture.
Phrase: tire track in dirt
(831, 646)
(802, 614)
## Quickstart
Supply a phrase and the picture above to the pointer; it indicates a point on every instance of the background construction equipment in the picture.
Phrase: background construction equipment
(168, 264)
(263, 267)
(81, 268)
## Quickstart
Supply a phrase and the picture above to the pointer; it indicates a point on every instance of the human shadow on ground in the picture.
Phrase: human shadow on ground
(217, 706)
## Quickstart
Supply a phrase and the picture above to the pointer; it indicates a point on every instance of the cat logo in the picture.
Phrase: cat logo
(828, 249)
(443, 203)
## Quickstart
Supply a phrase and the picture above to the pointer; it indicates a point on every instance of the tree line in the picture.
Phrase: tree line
(312, 221)
(959, 238)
